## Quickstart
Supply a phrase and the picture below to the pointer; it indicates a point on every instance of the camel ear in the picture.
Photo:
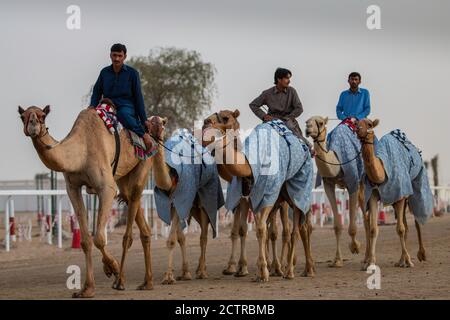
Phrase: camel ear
(164, 120)
(21, 110)
(236, 113)
(325, 120)
(375, 123)
(46, 109)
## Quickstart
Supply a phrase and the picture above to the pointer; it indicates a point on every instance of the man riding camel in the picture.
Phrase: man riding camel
(354, 103)
(283, 103)
(120, 83)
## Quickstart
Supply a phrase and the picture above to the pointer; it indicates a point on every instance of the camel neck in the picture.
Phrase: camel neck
(373, 166)
(232, 161)
(161, 170)
(64, 156)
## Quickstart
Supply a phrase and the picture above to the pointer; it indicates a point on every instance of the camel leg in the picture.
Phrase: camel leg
(171, 241)
(421, 254)
(88, 290)
(366, 217)
(275, 269)
(106, 197)
(267, 244)
(145, 233)
(289, 274)
(231, 268)
(181, 239)
(405, 259)
(134, 204)
(202, 218)
(284, 215)
(261, 233)
(305, 234)
(372, 226)
(365, 214)
(242, 265)
(329, 190)
(353, 208)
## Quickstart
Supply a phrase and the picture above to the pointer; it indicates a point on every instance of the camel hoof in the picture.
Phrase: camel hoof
(262, 279)
(276, 273)
(336, 264)
(242, 271)
(202, 275)
(289, 275)
(307, 273)
(403, 263)
(263, 276)
(145, 286)
(168, 278)
(185, 276)
(276, 270)
(84, 293)
(354, 247)
(230, 270)
(364, 266)
(119, 284)
(111, 269)
(421, 255)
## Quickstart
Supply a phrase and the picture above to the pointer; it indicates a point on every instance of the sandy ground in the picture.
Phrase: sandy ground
(34, 270)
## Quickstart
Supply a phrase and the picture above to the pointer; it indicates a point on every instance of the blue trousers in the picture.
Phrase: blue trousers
(128, 118)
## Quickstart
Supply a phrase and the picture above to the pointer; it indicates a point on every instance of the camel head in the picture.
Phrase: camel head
(33, 119)
(218, 123)
(316, 127)
(156, 126)
(365, 129)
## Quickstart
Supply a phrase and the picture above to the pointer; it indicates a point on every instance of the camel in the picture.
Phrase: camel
(329, 167)
(376, 174)
(239, 230)
(84, 157)
(166, 181)
(225, 123)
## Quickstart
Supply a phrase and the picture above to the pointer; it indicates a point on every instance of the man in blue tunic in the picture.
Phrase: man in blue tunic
(353, 103)
(121, 84)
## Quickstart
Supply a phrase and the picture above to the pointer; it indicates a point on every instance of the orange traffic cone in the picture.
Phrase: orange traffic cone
(382, 218)
(76, 235)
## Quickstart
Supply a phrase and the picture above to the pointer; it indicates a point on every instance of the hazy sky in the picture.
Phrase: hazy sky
(405, 65)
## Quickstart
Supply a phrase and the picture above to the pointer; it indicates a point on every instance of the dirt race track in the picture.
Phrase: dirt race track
(38, 271)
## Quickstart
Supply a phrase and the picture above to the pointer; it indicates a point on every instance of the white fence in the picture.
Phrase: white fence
(319, 203)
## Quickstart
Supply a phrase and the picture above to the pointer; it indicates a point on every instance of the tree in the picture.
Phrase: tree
(176, 84)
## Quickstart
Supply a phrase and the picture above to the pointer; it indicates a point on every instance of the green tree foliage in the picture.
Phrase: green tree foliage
(176, 84)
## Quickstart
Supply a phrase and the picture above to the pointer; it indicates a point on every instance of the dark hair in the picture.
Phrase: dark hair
(354, 74)
(118, 47)
(281, 73)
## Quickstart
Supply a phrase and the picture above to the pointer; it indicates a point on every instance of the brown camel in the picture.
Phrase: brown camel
(235, 164)
(328, 166)
(85, 157)
(167, 183)
(376, 174)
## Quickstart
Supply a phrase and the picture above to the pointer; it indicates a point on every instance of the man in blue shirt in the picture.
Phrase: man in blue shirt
(121, 84)
(353, 103)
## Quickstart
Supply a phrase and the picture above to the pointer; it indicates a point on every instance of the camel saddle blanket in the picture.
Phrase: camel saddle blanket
(197, 177)
(276, 156)
(406, 175)
(108, 114)
(140, 149)
(347, 147)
